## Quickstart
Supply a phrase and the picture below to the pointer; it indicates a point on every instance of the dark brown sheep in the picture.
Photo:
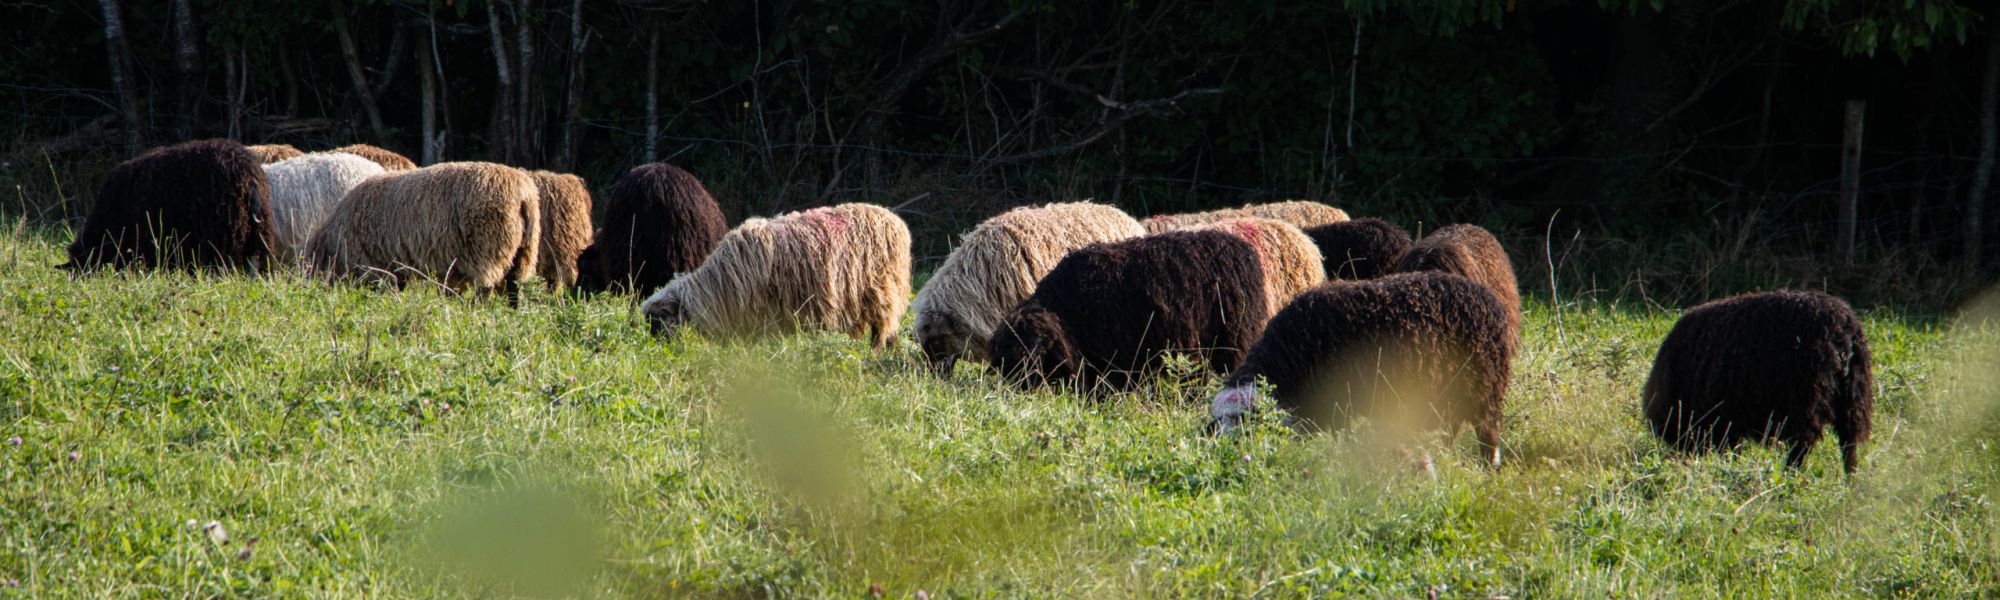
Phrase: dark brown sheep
(389, 159)
(1108, 312)
(1359, 249)
(200, 204)
(1769, 367)
(1425, 349)
(1471, 251)
(659, 221)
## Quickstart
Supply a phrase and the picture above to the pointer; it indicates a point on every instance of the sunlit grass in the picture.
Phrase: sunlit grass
(416, 444)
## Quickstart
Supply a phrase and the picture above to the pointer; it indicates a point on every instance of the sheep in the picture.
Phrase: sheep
(305, 189)
(1299, 213)
(270, 153)
(1106, 316)
(1359, 249)
(658, 222)
(1424, 349)
(565, 229)
(200, 205)
(996, 266)
(842, 268)
(389, 159)
(1770, 367)
(468, 225)
(1471, 251)
(1291, 262)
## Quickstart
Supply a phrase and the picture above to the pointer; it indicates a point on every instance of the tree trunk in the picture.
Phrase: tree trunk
(122, 75)
(427, 80)
(652, 93)
(234, 103)
(1850, 180)
(392, 65)
(529, 118)
(573, 103)
(1982, 178)
(503, 109)
(291, 80)
(356, 77)
(187, 71)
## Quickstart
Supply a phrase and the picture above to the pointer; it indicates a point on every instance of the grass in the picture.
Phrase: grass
(350, 442)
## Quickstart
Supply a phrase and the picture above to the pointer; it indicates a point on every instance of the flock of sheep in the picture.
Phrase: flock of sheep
(1332, 317)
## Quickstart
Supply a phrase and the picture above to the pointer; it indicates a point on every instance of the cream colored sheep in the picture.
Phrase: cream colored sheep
(1299, 213)
(996, 266)
(305, 189)
(469, 226)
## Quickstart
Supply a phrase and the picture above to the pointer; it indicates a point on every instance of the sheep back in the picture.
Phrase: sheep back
(1300, 213)
(1471, 251)
(996, 266)
(1291, 262)
(389, 159)
(270, 153)
(1765, 367)
(200, 204)
(842, 268)
(1426, 349)
(469, 225)
(659, 221)
(565, 229)
(305, 189)
(1359, 249)
(1108, 313)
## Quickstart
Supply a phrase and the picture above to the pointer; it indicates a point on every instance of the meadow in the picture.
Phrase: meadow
(199, 436)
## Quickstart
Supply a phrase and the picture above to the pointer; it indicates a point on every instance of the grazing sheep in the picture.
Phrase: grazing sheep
(997, 266)
(1471, 251)
(468, 225)
(841, 268)
(1425, 349)
(270, 153)
(1109, 312)
(1772, 366)
(1292, 263)
(304, 191)
(659, 221)
(1361, 248)
(201, 204)
(1299, 213)
(389, 159)
(565, 230)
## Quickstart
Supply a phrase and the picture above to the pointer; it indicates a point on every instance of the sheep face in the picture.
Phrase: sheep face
(944, 340)
(1033, 349)
(665, 312)
(1230, 407)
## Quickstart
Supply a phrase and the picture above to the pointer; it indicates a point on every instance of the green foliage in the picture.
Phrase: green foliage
(1860, 27)
(348, 442)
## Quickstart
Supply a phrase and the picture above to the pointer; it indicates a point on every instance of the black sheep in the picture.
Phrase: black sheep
(1108, 312)
(1426, 347)
(195, 205)
(1768, 367)
(659, 221)
(1359, 249)
(1473, 252)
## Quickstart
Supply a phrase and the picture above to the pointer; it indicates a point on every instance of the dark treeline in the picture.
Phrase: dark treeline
(1606, 119)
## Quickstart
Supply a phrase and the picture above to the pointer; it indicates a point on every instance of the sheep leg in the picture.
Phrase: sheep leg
(1796, 451)
(1849, 455)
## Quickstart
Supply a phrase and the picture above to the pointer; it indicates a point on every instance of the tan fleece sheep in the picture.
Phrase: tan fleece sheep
(996, 266)
(389, 159)
(1292, 262)
(270, 153)
(841, 268)
(469, 225)
(565, 231)
(1300, 213)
